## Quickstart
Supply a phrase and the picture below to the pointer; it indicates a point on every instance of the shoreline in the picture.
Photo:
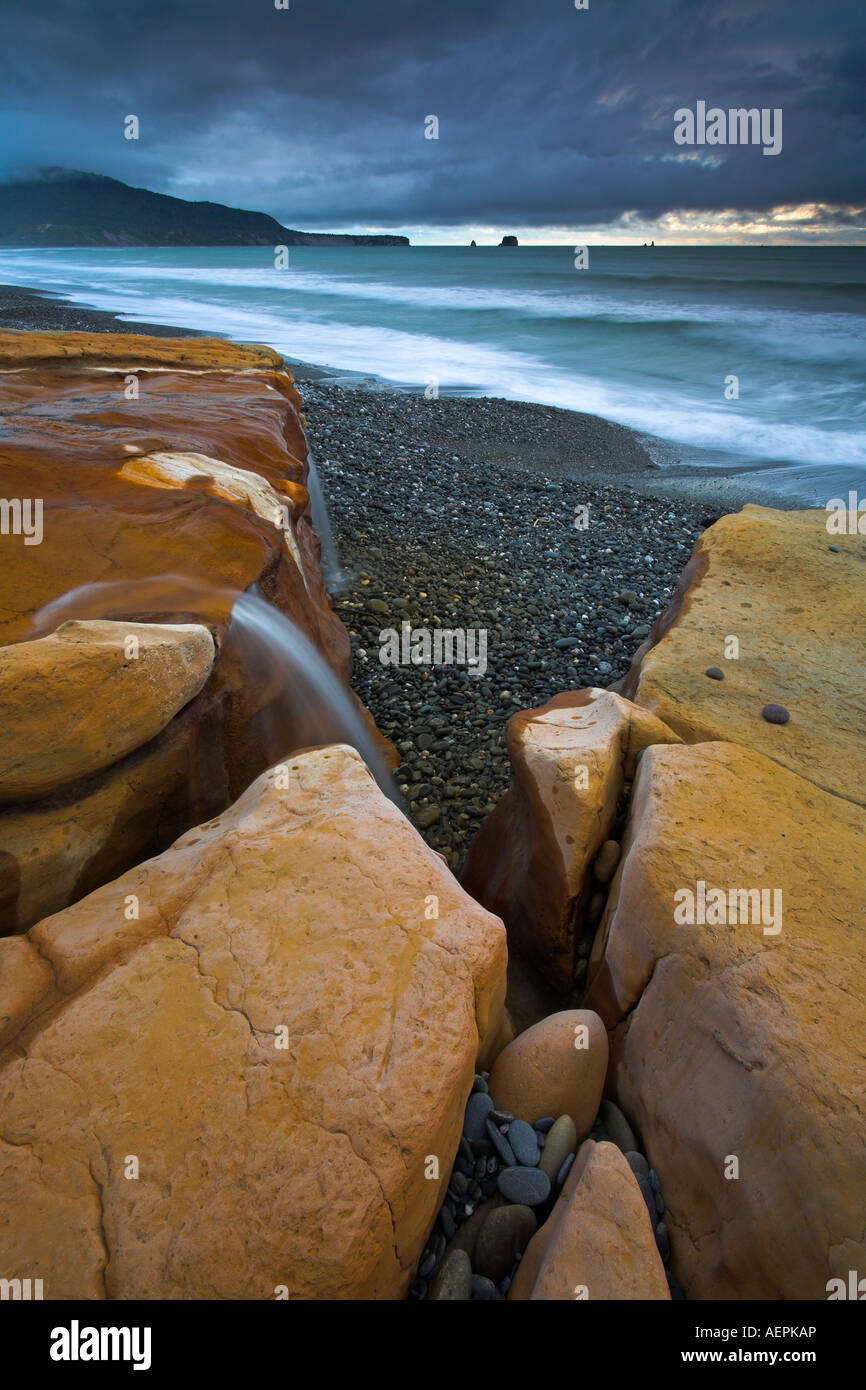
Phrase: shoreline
(494, 546)
(646, 464)
(460, 514)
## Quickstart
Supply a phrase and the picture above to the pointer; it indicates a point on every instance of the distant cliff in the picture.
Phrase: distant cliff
(64, 207)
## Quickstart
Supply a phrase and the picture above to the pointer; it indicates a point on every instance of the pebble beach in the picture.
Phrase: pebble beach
(527, 522)
(452, 514)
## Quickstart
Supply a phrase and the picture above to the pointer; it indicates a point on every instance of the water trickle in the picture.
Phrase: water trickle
(296, 701)
(336, 578)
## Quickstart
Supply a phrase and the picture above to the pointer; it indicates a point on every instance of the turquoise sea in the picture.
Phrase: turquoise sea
(646, 337)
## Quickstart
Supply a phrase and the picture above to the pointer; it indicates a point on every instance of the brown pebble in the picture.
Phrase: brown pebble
(775, 714)
(606, 861)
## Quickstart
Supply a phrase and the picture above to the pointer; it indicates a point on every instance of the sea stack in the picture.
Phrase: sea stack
(508, 241)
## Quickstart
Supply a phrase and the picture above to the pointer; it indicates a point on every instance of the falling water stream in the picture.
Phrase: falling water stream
(300, 700)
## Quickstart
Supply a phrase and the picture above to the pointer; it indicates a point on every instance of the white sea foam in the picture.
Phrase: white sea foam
(656, 362)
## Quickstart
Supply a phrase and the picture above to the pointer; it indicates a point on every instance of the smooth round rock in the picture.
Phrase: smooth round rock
(478, 1107)
(775, 714)
(504, 1235)
(453, 1282)
(545, 1124)
(468, 1232)
(714, 673)
(834, 548)
(528, 1186)
(483, 1290)
(649, 1197)
(521, 1137)
(542, 1072)
(501, 1145)
(596, 908)
(561, 1141)
(564, 1172)
(663, 1241)
(448, 1224)
(637, 1163)
(618, 1127)
(606, 861)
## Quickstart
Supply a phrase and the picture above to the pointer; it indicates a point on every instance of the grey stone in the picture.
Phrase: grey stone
(478, 1107)
(529, 1186)
(505, 1234)
(523, 1141)
(617, 1126)
(453, 1281)
(561, 1141)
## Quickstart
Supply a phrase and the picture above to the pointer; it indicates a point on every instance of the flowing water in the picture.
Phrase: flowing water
(302, 701)
(645, 337)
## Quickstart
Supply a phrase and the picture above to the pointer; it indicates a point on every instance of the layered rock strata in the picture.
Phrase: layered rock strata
(169, 469)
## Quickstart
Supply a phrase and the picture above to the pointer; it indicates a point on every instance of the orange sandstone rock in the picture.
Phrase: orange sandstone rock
(766, 600)
(598, 1242)
(79, 700)
(148, 457)
(530, 861)
(737, 1020)
(557, 1067)
(270, 1020)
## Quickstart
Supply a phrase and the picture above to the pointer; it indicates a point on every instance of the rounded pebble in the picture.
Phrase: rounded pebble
(501, 1145)
(606, 861)
(521, 1137)
(663, 1241)
(478, 1107)
(484, 1289)
(545, 1124)
(564, 1172)
(453, 1281)
(775, 714)
(637, 1163)
(505, 1234)
(617, 1126)
(527, 1186)
(714, 673)
(447, 1222)
(561, 1141)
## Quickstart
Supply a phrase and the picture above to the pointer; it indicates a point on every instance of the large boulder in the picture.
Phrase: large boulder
(225, 1075)
(598, 1242)
(108, 433)
(530, 862)
(74, 703)
(174, 473)
(737, 1020)
(793, 606)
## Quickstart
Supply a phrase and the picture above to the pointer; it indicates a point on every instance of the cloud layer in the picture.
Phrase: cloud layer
(548, 116)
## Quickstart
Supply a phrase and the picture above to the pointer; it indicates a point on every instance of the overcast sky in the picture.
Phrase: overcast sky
(554, 123)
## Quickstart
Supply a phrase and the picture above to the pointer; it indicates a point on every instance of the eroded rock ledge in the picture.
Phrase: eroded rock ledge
(146, 457)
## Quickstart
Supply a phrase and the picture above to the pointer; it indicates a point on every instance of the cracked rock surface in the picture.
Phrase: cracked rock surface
(729, 1042)
(225, 1072)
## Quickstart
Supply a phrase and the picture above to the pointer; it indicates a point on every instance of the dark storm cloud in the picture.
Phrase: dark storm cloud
(548, 115)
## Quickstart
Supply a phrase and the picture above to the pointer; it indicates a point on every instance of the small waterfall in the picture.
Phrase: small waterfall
(299, 701)
(336, 578)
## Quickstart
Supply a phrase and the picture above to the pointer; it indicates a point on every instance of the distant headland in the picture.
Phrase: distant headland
(66, 207)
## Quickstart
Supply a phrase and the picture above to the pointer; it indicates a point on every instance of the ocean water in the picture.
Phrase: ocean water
(644, 337)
